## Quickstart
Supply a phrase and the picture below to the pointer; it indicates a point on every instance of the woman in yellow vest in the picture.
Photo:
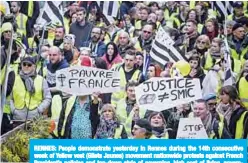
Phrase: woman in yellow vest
(30, 94)
(234, 112)
(109, 125)
(158, 124)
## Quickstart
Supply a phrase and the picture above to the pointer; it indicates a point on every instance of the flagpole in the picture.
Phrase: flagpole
(5, 82)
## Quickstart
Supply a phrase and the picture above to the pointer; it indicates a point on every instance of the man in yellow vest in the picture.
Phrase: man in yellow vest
(21, 19)
(144, 13)
(30, 96)
(127, 110)
(32, 10)
(127, 71)
(238, 43)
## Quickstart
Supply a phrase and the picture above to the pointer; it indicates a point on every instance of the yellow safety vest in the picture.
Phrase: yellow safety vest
(21, 21)
(237, 66)
(138, 25)
(243, 91)
(137, 46)
(121, 113)
(220, 129)
(118, 132)
(6, 108)
(22, 97)
(208, 62)
(32, 43)
(171, 19)
(66, 25)
(56, 108)
(116, 96)
(240, 126)
(240, 57)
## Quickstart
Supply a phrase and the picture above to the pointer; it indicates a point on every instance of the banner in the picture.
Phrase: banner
(79, 80)
(163, 93)
(137, 151)
(191, 128)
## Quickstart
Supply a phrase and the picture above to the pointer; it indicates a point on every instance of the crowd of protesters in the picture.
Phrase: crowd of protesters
(88, 39)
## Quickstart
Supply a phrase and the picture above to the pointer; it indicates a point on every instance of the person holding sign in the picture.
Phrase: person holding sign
(127, 110)
(109, 126)
(158, 124)
(127, 71)
(234, 112)
(215, 129)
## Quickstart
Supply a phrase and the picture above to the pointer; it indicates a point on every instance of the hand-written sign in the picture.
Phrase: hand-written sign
(191, 128)
(163, 93)
(79, 80)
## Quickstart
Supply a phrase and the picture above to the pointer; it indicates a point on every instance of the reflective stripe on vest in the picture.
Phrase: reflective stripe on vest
(243, 91)
(118, 132)
(56, 108)
(240, 126)
(21, 96)
(21, 21)
(121, 112)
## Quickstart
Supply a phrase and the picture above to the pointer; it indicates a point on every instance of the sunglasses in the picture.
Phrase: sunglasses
(7, 32)
(201, 42)
(27, 64)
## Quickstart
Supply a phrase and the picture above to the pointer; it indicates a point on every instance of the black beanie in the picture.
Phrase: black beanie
(143, 123)
(236, 26)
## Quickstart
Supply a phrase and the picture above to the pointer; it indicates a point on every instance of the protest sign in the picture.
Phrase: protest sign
(191, 128)
(159, 94)
(80, 80)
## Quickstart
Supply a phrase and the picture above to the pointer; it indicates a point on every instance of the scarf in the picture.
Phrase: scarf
(225, 110)
(106, 128)
(28, 81)
(68, 55)
(159, 131)
(208, 123)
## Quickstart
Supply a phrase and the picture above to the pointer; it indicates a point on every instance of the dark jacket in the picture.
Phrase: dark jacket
(200, 75)
(82, 33)
(51, 71)
(233, 121)
(100, 48)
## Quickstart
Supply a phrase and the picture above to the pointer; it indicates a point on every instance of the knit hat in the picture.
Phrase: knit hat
(2, 9)
(70, 38)
(236, 26)
(238, 4)
(86, 61)
(29, 60)
(143, 123)
(6, 27)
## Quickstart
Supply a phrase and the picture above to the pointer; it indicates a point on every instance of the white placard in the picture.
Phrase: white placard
(191, 128)
(80, 80)
(159, 93)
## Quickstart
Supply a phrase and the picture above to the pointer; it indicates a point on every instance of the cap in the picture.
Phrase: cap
(238, 4)
(143, 123)
(236, 26)
(210, 96)
(86, 61)
(6, 27)
(29, 60)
